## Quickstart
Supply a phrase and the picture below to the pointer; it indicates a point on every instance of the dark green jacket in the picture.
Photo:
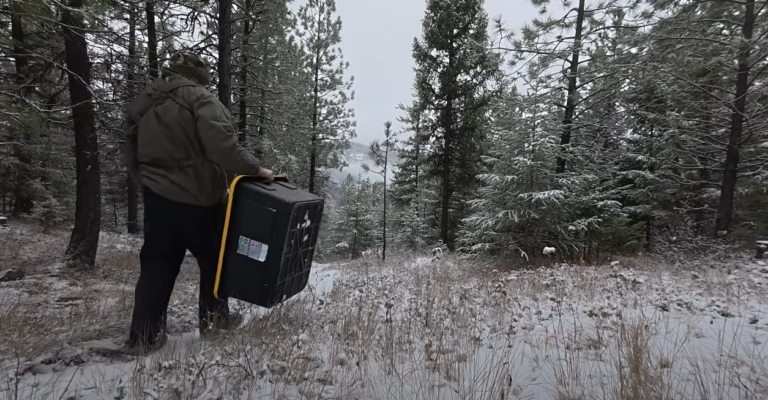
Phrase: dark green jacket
(182, 143)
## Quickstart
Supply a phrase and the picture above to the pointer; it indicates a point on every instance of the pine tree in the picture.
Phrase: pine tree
(23, 202)
(225, 53)
(132, 223)
(81, 251)
(354, 226)
(379, 152)
(521, 205)
(745, 61)
(332, 125)
(691, 51)
(273, 110)
(412, 192)
(29, 101)
(454, 77)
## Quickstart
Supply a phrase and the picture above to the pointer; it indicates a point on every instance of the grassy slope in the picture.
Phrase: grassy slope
(409, 329)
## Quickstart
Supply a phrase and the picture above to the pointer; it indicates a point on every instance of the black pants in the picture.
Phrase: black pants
(170, 229)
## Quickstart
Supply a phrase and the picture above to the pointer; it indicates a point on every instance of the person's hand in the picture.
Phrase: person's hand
(266, 174)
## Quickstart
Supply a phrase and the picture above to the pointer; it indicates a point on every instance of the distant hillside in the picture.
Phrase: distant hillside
(356, 156)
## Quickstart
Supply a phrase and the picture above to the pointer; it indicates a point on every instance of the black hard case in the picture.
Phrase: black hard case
(284, 218)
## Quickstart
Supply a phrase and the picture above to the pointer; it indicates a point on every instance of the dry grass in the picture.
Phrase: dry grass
(390, 331)
(26, 247)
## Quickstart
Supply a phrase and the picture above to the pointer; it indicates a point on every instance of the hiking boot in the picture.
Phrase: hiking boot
(131, 349)
(228, 323)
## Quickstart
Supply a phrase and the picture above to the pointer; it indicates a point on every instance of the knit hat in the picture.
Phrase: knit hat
(191, 66)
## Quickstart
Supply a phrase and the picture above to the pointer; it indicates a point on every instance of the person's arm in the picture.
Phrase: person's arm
(219, 138)
(131, 131)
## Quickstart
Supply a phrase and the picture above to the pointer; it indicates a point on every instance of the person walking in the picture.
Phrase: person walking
(182, 148)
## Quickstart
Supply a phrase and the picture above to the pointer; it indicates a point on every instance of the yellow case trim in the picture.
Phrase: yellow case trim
(224, 234)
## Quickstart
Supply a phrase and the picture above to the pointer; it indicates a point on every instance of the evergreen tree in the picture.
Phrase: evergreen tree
(413, 194)
(379, 152)
(354, 225)
(132, 222)
(689, 56)
(332, 122)
(521, 206)
(455, 73)
(81, 251)
(30, 167)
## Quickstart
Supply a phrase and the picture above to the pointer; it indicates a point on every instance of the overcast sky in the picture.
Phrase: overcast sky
(377, 38)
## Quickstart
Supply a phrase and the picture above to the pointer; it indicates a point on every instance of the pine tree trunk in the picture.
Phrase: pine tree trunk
(225, 53)
(417, 153)
(315, 115)
(154, 64)
(730, 173)
(132, 222)
(243, 104)
(384, 217)
(570, 104)
(20, 52)
(81, 251)
(22, 203)
(449, 132)
(353, 254)
(446, 192)
(700, 189)
(262, 131)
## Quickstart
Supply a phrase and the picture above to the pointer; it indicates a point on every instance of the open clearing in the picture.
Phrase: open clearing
(408, 329)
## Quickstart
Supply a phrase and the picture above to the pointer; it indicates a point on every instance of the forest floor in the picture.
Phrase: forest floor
(408, 329)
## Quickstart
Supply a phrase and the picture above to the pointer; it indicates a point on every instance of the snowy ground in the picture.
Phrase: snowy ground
(409, 329)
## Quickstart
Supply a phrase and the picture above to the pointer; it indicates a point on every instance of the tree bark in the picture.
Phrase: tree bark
(20, 52)
(225, 53)
(570, 104)
(154, 64)
(22, 202)
(447, 188)
(81, 251)
(132, 222)
(730, 173)
(262, 130)
(243, 104)
(384, 217)
(446, 184)
(315, 116)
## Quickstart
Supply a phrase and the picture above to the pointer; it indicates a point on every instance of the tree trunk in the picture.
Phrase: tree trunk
(315, 116)
(154, 64)
(262, 130)
(570, 104)
(81, 251)
(225, 53)
(415, 229)
(22, 203)
(243, 117)
(353, 254)
(22, 200)
(132, 222)
(648, 231)
(384, 217)
(728, 189)
(446, 189)
(449, 132)
(20, 52)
